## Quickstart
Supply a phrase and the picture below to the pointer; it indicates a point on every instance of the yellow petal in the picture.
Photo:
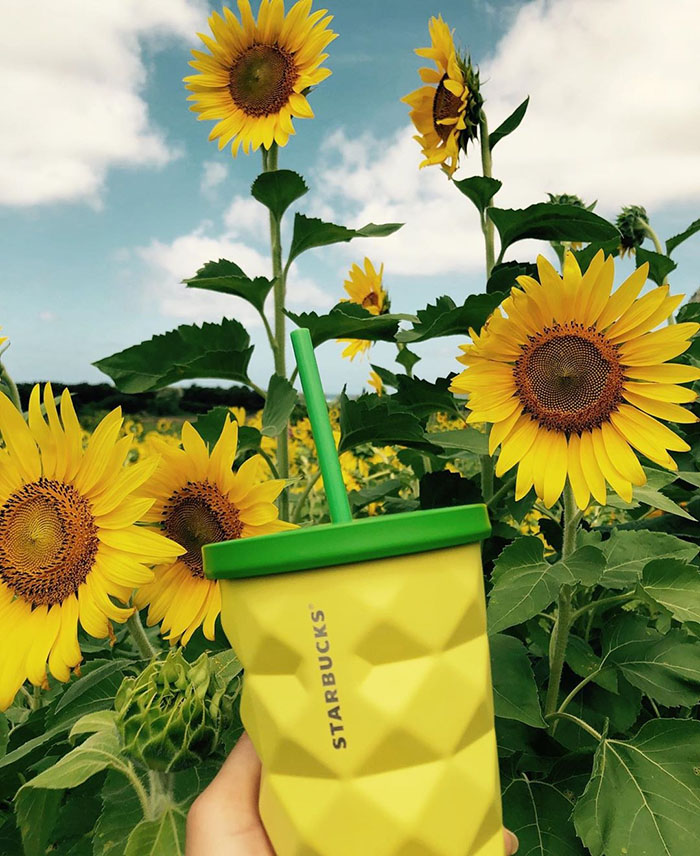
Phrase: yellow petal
(146, 543)
(615, 479)
(662, 409)
(555, 470)
(621, 300)
(591, 470)
(19, 441)
(626, 462)
(577, 480)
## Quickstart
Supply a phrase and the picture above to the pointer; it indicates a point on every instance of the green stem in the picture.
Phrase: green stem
(504, 488)
(562, 628)
(11, 387)
(299, 507)
(270, 463)
(605, 602)
(581, 724)
(268, 330)
(161, 788)
(138, 634)
(577, 689)
(280, 335)
(137, 785)
(488, 232)
(260, 391)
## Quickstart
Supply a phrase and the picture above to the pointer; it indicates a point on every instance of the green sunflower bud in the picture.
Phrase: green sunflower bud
(632, 222)
(475, 101)
(173, 714)
(566, 199)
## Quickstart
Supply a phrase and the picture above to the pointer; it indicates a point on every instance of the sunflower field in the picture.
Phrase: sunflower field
(569, 410)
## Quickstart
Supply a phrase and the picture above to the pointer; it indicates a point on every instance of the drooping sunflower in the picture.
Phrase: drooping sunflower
(574, 377)
(68, 539)
(198, 499)
(445, 112)
(257, 76)
(365, 287)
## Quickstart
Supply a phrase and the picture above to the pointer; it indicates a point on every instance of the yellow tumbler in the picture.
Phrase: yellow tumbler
(367, 689)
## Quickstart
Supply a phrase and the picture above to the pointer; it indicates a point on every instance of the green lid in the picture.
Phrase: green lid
(343, 543)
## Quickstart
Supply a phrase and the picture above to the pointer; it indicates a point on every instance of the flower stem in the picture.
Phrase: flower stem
(280, 335)
(137, 785)
(138, 634)
(299, 507)
(594, 605)
(11, 387)
(487, 229)
(581, 724)
(562, 628)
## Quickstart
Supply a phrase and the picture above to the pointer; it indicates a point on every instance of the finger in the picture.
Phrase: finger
(237, 783)
(511, 842)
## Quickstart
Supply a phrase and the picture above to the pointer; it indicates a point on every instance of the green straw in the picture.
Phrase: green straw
(321, 426)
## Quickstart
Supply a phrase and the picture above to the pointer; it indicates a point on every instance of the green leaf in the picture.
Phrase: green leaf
(227, 277)
(93, 692)
(666, 668)
(510, 124)
(388, 378)
(277, 190)
(654, 498)
(643, 797)
(162, 837)
(226, 666)
(379, 421)
(514, 688)
(121, 812)
(375, 493)
(524, 583)
(504, 275)
(627, 552)
(689, 312)
(583, 661)
(462, 439)
(445, 318)
(4, 734)
(673, 242)
(310, 232)
(97, 753)
(37, 811)
(280, 401)
(548, 221)
(675, 586)
(585, 256)
(424, 397)
(209, 426)
(220, 351)
(659, 266)
(347, 321)
(101, 720)
(540, 815)
(480, 189)
(407, 358)
(445, 489)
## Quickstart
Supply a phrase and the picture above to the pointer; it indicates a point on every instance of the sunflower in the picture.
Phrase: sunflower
(574, 377)
(68, 539)
(365, 287)
(257, 76)
(198, 500)
(446, 111)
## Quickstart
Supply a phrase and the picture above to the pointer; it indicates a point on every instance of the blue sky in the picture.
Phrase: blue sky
(106, 207)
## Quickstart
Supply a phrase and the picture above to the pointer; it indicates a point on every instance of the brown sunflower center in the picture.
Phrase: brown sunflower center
(446, 105)
(200, 514)
(569, 378)
(372, 299)
(262, 79)
(48, 541)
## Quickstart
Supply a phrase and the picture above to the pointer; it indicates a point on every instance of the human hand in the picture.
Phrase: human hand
(224, 819)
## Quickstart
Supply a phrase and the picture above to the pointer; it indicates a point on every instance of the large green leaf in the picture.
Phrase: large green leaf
(673, 242)
(375, 493)
(228, 278)
(277, 190)
(675, 586)
(586, 255)
(379, 421)
(548, 221)
(583, 661)
(479, 188)
(643, 798)
(209, 426)
(627, 553)
(504, 275)
(540, 815)
(36, 812)
(423, 397)
(94, 691)
(121, 812)
(310, 232)
(514, 688)
(525, 583)
(347, 321)
(280, 401)
(445, 318)
(659, 266)
(220, 351)
(510, 124)
(162, 837)
(665, 667)
(97, 753)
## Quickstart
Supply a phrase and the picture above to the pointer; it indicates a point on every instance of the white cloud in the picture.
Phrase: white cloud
(47, 315)
(72, 93)
(614, 116)
(246, 217)
(213, 174)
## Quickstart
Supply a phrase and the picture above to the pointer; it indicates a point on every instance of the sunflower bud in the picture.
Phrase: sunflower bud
(631, 222)
(173, 714)
(566, 199)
